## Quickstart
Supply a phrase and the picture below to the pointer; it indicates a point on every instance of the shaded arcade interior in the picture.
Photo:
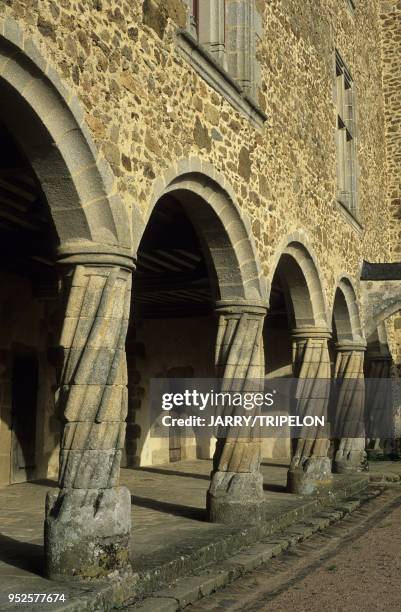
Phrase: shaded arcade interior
(172, 330)
(29, 308)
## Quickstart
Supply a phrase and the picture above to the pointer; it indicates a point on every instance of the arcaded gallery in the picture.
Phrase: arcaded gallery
(189, 190)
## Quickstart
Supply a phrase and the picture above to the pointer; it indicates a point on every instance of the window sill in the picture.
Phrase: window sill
(349, 216)
(211, 71)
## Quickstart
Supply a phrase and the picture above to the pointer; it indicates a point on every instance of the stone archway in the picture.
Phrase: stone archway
(302, 286)
(348, 394)
(381, 294)
(298, 247)
(94, 246)
(299, 313)
(224, 229)
(346, 313)
(382, 312)
(233, 289)
(78, 185)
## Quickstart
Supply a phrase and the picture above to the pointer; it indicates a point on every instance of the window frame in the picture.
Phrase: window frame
(346, 138)
(193, 17)
(230, 31)
(212, 28)
(216, 70)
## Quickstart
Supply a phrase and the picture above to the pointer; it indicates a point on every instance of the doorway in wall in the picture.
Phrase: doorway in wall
(24, 401)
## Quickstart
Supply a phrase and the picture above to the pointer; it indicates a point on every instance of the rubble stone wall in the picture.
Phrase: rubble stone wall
(391, 51)
(147, 108)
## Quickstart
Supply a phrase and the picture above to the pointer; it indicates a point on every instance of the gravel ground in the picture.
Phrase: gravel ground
(353, 566)
(365, 576)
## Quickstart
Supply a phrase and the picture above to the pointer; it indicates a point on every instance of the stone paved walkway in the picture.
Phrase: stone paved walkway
(167, 513)
(168, 509)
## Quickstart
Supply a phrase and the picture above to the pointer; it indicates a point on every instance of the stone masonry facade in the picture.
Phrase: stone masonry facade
(391, 57)
(147, 109)
(143, 147)
(391, 62)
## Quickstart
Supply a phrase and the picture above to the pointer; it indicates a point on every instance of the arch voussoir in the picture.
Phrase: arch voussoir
(218, 218)
(298, 269)
(59, 146)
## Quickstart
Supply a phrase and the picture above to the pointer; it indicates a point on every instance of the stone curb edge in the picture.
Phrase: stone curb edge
(188, 590)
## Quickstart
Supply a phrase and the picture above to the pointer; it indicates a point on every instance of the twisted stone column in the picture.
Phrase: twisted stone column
(235, 494)
(88, 517)
(349, 427)
(378, 419)
(310, 464)
(395, 450)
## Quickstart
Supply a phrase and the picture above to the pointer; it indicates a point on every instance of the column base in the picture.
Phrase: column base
(396, 451)
(235, 498)
(306, 477)
(87, 533)
(375, 454)
(388, 454)
(352, 462)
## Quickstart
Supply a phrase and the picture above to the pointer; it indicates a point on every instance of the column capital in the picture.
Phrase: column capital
(346, 346)
(82, 252)
(240, 307)
(311, 332)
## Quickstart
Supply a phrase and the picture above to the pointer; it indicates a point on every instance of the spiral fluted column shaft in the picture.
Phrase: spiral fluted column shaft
(310, 465)
(379, 414)
(236, 489)
(348, 421)
(88, 518)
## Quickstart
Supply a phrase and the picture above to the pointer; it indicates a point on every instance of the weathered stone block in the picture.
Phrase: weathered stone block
(307, 478)
(13, 32)
(91, 366)
(201, 135)
(94, 436)
(89, 469)
(235, 498)
(87, 533)
(94, 402)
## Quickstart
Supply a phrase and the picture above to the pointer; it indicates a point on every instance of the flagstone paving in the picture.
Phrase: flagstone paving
(168, 511)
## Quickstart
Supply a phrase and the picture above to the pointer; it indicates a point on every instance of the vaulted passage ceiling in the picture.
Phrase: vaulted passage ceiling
(171, 279)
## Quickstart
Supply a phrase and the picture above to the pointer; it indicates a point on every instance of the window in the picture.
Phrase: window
(207, 23)
(193, 17)
(220, 42)
(346, 133)
(229, 30)
(244, 30)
